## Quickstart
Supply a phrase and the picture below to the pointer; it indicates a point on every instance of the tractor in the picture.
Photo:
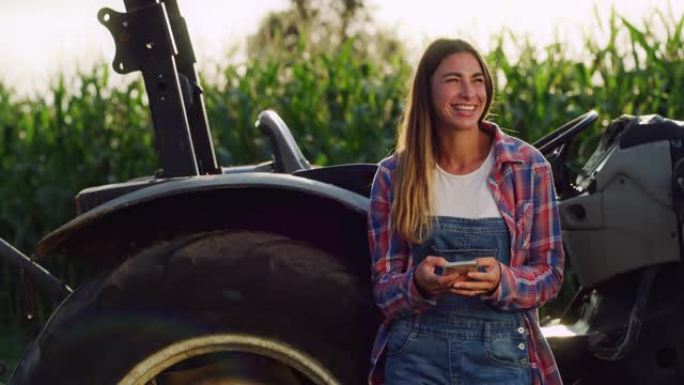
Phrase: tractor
(260, 274)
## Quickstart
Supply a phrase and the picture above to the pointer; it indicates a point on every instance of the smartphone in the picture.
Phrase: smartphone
(459, 267)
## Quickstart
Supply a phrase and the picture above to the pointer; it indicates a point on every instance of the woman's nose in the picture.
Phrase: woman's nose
(466, 90)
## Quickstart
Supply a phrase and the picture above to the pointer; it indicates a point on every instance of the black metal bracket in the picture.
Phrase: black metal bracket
(133, 36)
(194, 100)
(145, 39)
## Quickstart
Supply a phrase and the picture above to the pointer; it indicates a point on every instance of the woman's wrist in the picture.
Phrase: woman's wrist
(498, 283)
(420, 290)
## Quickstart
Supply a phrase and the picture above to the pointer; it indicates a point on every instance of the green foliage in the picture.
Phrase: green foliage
(82, 133)
(313, 27)
(341, 104)
(637, 71)
(342, 108)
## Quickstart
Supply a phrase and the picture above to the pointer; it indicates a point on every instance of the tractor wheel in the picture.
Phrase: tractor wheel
(214, 308)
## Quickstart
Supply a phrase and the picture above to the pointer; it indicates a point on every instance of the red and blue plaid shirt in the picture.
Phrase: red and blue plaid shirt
(522, 185)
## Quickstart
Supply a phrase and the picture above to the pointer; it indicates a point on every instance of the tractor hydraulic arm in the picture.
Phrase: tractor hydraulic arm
(152, 37)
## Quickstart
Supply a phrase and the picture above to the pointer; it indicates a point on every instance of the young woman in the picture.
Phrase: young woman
(457, 189)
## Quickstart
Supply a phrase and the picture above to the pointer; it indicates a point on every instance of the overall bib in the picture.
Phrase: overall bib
(462, 340)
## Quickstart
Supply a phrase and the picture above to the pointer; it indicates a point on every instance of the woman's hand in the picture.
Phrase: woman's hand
(431, 283)
(480, 282)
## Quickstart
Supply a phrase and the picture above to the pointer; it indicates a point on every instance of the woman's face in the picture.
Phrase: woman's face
(458, 91)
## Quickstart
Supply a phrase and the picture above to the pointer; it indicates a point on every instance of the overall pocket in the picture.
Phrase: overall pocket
(507, 349)
(402, 332)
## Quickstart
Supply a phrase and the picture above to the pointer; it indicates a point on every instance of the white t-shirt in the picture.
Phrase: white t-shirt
(464, 196)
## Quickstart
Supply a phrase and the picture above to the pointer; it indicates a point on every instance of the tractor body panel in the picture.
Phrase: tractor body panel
(325, 215)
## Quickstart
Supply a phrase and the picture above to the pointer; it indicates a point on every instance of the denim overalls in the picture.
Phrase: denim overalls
(462, 340)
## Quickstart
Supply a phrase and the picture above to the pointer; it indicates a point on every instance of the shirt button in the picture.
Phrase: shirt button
(521, 346)
(521, 330)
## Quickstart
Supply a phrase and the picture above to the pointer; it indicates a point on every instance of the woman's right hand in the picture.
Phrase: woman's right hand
(428, 281)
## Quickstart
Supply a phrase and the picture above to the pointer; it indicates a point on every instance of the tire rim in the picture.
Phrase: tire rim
(149, 368)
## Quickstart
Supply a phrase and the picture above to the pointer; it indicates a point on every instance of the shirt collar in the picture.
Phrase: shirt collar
(505, 149)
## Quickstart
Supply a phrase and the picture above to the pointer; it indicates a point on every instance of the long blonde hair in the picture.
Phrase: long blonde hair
(417, 141)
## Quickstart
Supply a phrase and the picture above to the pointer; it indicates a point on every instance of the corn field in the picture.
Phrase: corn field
(341, 108)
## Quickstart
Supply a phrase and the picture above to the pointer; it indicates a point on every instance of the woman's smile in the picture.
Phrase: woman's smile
(458, 91)
(464, 110)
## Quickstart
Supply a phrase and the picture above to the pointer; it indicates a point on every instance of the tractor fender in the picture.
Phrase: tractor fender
(326, 216)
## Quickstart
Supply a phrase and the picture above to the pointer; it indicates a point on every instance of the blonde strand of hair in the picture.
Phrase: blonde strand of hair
(413, 191)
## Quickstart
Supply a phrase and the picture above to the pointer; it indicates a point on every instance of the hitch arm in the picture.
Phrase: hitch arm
(48, 282)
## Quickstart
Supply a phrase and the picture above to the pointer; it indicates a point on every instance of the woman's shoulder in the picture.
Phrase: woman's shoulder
(389, 164)
(382, 182)
(519, 150)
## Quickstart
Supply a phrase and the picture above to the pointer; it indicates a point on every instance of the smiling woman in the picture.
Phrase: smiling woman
(103, 135)
(460, 93)
(458, 189)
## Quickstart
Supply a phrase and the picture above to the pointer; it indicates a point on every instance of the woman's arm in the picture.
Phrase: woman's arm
(394, 286)
(539, 279)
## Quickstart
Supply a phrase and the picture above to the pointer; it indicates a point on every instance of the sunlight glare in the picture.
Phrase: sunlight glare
(44, 38)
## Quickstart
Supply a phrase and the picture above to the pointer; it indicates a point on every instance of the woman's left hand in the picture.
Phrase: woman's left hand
(480, 282)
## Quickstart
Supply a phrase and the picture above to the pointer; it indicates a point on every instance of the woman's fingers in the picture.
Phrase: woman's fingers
(473, 285)
(478, 276)
(431, 282)
(470, 284)
(467, 293)
(433, 261)
(480, 282)
(487, 262)
(446, 283)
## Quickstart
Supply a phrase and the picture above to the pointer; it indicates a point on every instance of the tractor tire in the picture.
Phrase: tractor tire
(265, 308)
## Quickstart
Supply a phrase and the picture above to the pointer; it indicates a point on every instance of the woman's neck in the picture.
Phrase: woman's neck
(462, 151)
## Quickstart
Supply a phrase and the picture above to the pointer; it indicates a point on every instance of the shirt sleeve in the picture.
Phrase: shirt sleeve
(394, 288)
(539, 278)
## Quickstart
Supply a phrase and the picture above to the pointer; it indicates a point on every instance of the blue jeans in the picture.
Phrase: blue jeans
(440, 350)
(461, 341)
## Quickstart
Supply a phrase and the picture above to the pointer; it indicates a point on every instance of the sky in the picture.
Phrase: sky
(39, 38)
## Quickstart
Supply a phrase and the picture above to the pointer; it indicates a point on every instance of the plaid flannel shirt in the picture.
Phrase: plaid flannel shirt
(522, 185)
